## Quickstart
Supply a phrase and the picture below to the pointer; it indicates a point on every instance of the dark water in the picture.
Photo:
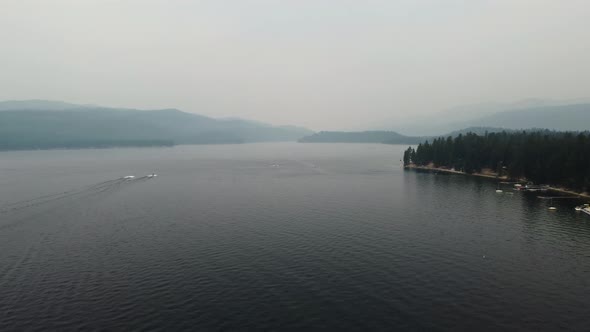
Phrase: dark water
(279, 237)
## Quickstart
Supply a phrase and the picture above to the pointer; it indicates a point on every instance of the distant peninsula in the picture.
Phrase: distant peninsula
(386, 137)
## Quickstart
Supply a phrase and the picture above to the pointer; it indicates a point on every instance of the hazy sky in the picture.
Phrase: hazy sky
(324, 64)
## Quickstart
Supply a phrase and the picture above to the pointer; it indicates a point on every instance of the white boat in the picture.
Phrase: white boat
(129, 177)
(153, 175)
(532, 188)
(581, 207)
(586, 210)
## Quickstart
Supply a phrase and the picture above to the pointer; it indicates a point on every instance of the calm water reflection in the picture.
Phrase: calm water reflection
(279, 237)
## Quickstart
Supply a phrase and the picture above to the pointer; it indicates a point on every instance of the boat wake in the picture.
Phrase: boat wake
(86, 191)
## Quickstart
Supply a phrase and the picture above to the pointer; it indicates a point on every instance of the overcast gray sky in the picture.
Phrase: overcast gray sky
(324, 64)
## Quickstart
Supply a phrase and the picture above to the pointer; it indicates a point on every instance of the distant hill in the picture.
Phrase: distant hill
(574, 117)
(391, 137)
(525, 114)
(39, 124)
(388, 137)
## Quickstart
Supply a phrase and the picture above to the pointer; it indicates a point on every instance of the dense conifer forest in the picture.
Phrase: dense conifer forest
(544, 157)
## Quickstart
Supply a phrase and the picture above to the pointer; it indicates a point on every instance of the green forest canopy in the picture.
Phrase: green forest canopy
(559, 158)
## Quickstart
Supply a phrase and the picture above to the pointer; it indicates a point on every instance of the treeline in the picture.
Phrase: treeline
(559, 158)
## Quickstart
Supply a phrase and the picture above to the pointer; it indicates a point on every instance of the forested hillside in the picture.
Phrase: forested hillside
(561, 158)
(43, 125)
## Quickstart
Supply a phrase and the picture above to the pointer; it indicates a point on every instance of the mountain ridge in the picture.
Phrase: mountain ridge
(564, 116)
(38, 124)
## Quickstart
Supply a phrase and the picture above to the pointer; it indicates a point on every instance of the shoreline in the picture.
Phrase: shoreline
(491, 176)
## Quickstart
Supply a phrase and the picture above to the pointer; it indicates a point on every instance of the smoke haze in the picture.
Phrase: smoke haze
(330, 64)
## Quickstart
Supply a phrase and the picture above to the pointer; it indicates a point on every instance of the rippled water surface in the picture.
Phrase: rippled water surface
(279, 237)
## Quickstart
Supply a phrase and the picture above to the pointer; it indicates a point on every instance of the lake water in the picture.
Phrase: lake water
(282, 237)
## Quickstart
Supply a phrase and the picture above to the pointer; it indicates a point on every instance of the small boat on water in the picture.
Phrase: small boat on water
(581, 207)
(551, 207)
(531, 187)
(153, 175)
(586, 210)
(129, 177)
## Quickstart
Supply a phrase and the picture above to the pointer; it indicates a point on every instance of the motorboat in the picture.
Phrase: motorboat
(532, 187)
(153, 175)
(551, 207)
(129, 177)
